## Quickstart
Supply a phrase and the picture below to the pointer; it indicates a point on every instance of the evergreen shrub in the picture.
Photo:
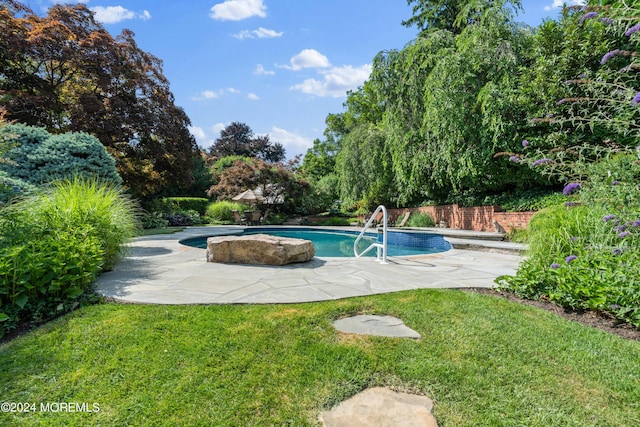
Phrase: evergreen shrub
(38, 157)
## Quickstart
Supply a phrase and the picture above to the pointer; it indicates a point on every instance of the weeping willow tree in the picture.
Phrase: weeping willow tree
(451, 104)
(364, 168)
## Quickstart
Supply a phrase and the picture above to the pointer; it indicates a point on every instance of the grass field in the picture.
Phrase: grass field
(483, 360)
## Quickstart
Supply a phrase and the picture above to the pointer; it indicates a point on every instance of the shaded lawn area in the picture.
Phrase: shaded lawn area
(483, 360)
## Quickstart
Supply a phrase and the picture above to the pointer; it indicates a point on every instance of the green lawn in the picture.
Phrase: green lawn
(483, 360)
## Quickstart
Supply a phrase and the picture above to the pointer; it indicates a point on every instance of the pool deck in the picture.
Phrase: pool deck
(160, 270)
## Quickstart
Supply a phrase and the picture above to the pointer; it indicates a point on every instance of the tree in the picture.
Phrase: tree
(580, 89)
(65, 72)
(275, 181)
(319, 160)
(451, 105)
(364, 168)
(237, 139)
(451, 15)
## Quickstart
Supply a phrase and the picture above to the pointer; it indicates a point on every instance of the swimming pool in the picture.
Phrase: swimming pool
(339, 243)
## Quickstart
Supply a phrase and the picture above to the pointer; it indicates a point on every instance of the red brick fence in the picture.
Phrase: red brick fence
(479, 218)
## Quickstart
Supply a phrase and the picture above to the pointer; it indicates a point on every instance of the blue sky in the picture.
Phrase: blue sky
(280, 66)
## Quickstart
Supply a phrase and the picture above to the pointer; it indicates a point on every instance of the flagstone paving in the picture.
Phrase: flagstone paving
(160, 270)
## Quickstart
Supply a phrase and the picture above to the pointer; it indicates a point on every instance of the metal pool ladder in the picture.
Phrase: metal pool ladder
(381, 248)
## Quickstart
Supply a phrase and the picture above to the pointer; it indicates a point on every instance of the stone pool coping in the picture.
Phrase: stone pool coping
(160, 270)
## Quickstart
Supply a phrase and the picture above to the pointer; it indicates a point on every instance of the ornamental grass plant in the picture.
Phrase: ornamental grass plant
(585, 254)
(54, 243)
(222, 211)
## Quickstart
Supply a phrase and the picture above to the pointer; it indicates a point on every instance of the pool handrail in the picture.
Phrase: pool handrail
(380, 247)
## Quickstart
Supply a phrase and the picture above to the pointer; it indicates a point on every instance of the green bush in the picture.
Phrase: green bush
(54, 243)
(222, 211)
(275, 219)
(174, 205)
(184, 218)
(154, 220)
(38, 157)
(586, 255)
(420, 219)
(322, 196)
(333, 221)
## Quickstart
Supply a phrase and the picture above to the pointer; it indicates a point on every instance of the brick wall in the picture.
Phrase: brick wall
(479, 218)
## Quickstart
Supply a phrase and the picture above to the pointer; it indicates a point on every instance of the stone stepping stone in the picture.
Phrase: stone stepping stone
(384, 326)
(380, 406)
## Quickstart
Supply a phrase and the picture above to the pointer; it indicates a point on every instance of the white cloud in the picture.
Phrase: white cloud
(201, 137)
(218, 127)
(197, 132)
(260, 33)
(307, 58)
(207, 94)
(115, 14)
(559, 3)
(253, 97)
(214, 94)
(294, 144)
(237, 10)
(261, 71)
(336, 81)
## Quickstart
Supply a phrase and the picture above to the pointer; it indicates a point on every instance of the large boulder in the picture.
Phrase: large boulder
(259, 249)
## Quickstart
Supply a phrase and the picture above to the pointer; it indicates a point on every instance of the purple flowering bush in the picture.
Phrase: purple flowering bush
(587, 255)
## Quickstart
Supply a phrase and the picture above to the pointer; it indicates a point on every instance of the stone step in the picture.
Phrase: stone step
(487, 245)
(462, 234)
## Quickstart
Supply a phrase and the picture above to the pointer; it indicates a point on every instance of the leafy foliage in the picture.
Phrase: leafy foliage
(450, 15)
(222, 211)
(65, 72)
(320, 160)
(184, 218)
(420, 219)
(54, 243)
(279, 186)
(585, 255)
(322, 195)
(154, 219)
(37, 157)
(175, 204)
(578, 107)
(13, 188)
(363, 167)
(237, 139)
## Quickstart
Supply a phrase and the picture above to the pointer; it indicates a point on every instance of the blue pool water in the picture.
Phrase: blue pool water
(340, 243)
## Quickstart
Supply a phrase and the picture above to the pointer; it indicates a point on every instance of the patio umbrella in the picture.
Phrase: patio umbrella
(247, 196)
